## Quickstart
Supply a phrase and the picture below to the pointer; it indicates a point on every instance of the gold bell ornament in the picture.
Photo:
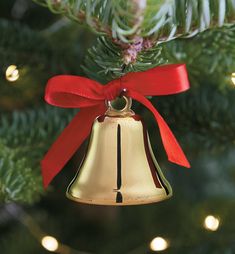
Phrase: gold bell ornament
(119, 167)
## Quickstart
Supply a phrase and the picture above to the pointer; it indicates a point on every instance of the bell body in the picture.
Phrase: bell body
(119, 167)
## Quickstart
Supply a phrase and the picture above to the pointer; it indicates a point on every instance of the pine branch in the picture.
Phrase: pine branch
(24, 138)
(162, 21)
(105, 60)
(186, 18)
(19, 181)
(101, 16)
(35, 127)
(134, 24)
(209, 56)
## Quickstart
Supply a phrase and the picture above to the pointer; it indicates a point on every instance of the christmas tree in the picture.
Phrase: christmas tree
(103, 41)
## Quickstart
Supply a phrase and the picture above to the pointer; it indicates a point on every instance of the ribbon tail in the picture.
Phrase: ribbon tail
(68, 142)
(173, 150)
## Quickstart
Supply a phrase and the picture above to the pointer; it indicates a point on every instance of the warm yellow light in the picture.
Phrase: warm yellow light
(233, 77)
(50, 243)
(12, 73)
(159, 244)
(211, 223)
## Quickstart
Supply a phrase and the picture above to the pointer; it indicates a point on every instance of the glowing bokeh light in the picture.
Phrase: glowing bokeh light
(211, 223)
(159, 244)
(233, 77)
(50, 243)
(12, 73)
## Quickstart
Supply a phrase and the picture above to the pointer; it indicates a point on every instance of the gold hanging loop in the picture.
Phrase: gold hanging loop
(125, 111)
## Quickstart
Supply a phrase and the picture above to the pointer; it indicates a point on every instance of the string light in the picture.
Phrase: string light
(159, 244)
(211, 223)
(12, 73)
(50, 243)
(233, 77)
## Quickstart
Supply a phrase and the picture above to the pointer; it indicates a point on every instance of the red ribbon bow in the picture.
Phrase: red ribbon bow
(90, 96)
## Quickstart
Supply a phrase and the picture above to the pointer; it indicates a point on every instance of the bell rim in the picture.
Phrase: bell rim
(112, 203)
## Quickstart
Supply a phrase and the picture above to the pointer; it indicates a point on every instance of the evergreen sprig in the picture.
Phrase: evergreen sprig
(211, 53)
(35, 127)
(104, 61)
(209, 56)
(25, 137)
(162, 21)
(19, 180)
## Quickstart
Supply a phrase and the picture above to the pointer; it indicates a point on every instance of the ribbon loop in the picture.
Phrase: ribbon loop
(90, 96)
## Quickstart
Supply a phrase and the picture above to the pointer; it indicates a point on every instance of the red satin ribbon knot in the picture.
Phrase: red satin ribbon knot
(90, 96)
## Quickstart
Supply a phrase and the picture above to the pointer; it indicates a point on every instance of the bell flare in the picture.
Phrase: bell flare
(119, 167)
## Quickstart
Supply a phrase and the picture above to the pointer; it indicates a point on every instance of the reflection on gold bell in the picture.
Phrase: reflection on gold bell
(119, 167)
